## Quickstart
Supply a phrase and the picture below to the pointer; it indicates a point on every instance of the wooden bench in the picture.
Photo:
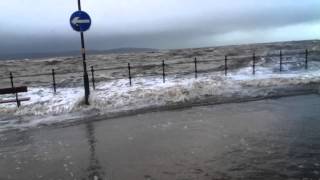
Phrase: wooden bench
(14, 90)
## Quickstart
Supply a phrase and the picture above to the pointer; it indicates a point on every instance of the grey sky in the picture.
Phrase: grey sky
(43, 25)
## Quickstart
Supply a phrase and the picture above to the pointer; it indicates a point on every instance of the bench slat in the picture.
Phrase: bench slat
(14, 100)
(14, 90)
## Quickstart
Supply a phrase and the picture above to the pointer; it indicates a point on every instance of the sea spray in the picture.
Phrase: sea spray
(118, 97)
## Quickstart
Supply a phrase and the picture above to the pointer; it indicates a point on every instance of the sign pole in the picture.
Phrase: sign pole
(85, 73)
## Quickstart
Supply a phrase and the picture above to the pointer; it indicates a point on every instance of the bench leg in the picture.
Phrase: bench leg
(17, 99)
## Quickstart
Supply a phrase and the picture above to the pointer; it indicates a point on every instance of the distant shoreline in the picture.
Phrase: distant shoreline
(29, 56)
(73, 53)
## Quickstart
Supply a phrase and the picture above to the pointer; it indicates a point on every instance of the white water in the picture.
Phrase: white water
(118, 97)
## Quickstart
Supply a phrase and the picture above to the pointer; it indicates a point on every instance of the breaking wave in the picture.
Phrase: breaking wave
(117, 98)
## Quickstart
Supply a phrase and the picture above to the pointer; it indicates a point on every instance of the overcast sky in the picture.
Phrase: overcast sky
(43, 25)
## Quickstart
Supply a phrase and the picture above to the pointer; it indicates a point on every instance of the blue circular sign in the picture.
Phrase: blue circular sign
(80, 21)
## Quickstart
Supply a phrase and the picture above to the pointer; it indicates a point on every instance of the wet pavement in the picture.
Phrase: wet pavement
(268, 139)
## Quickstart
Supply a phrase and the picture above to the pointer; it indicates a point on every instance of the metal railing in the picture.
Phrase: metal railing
(162, 69)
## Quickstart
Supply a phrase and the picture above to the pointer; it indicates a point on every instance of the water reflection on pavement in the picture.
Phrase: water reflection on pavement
(269, 139)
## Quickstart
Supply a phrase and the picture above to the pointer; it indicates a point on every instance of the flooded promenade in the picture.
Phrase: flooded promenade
(267, 139)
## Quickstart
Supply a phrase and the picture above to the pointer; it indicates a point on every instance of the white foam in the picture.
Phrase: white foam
(117, 96)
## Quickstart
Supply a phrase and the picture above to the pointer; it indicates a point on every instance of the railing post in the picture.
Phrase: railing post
(280, 60)
(93, 80)
(195, 68)
(17, 98)
(54, 82)
(163, 72)
(225, 65)
(129, 71)
(254, 63)
(306, 63)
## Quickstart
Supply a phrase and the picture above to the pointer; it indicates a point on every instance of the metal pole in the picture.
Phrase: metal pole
(85, 73)
(54, 82)
(280, 60)
(226, 65)
(195, 68)
(129, 71)
(306, 63)
(254, 63)
(163, 72)
(79, 5)
(17, 99)
(93, 80)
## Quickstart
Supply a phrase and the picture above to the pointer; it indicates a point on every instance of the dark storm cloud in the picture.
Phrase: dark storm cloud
(157, 24)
